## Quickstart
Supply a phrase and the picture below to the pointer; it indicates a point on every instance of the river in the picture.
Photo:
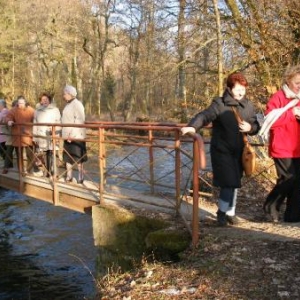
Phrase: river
(46, 252)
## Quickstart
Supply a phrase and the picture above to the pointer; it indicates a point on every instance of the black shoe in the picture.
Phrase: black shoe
(221, 218)
(80, 181)
(233, 220)
(68, 179)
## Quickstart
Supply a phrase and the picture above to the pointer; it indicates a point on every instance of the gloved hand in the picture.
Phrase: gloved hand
(10, 123)
(185, 130)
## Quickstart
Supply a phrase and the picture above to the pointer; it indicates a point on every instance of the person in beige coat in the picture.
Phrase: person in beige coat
(21, 114)
(75, 153)
(46, 112)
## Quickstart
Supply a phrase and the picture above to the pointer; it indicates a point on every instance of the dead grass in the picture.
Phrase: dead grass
(255, 260)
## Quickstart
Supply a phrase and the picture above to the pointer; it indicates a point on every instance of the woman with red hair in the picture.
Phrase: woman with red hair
(227, 141)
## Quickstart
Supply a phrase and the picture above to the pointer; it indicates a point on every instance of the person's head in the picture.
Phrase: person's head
(21, 102)
(2, 104)
(292, 78)
(237, 84)
(69, 92)
(45, 99)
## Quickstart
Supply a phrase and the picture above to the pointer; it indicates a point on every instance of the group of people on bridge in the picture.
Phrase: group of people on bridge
(227, 144)
(19, 136)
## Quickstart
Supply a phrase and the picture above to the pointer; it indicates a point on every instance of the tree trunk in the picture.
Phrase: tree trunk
(220, 52)
(182, 61)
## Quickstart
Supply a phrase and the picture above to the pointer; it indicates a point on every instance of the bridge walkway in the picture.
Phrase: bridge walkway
(137, 165)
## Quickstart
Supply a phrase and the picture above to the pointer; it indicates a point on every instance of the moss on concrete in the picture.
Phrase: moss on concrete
(121, 235)
(167, 243)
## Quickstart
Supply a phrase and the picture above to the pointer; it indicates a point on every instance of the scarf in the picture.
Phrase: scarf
(289, 93)
(273, 115)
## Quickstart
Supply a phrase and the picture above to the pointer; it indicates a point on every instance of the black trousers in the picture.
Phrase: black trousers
(287, 187)
(2, 150)
(8, 163)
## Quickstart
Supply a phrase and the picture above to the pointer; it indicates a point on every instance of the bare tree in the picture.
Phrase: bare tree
(220, 49)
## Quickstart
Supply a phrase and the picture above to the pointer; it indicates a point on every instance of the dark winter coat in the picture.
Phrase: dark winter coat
(227, 141)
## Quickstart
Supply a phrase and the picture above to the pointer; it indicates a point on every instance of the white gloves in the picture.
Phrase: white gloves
(10, 123)
(185, 130)
(244, 126)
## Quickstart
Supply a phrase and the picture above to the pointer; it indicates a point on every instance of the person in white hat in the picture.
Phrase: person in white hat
(74, 144)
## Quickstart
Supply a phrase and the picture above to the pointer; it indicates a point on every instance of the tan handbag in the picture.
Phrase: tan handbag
(248, 156)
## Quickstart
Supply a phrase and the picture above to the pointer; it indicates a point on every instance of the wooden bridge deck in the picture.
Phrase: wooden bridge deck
(81, 197)
(73, 196)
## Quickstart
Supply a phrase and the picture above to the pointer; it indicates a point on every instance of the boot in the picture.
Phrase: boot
(221, 218)
(271, 211)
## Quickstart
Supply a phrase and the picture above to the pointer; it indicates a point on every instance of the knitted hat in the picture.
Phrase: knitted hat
(69, 89)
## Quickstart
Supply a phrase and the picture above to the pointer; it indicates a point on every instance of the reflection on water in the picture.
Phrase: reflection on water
(46, 252)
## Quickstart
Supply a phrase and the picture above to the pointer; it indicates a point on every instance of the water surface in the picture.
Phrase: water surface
(46, 252)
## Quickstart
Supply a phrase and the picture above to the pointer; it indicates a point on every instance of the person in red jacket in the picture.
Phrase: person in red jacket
(284, 148)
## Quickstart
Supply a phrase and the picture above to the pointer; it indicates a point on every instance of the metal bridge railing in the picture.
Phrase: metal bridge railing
(132, 161)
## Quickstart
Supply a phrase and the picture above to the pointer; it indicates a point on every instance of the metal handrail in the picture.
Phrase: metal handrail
(103, 136)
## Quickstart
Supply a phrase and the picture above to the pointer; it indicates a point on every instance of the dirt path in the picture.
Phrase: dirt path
(254, 224)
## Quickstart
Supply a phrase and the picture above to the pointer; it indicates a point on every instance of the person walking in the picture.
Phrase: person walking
(3, 131)
(8, 163)
(227, 141)
(74, 145)
(46, 112)
(22, 113)
(284, 148)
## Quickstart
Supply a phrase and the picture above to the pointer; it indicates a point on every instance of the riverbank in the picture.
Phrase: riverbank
(254, 260)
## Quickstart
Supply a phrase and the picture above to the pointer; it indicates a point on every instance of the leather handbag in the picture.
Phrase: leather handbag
(248, 156)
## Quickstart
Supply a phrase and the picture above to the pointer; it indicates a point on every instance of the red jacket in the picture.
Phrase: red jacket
(284, 139)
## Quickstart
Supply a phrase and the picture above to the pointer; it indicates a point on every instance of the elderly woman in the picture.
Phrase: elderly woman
(284, 148)
(227, 141)
(22, 113)
(74, 144)
(46, 112)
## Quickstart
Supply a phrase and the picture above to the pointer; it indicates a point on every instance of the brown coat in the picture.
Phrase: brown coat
(21, 134)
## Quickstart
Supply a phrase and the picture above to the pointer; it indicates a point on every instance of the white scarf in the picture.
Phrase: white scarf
(273, 115)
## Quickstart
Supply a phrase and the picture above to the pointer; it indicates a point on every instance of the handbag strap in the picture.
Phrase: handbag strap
(239, 119)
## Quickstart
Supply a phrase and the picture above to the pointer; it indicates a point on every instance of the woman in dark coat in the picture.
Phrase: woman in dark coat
(227, 141)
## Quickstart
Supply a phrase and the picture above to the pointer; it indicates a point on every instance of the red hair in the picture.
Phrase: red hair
(236, 77)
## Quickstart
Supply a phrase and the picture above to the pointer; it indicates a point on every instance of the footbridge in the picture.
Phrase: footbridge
(147, 165)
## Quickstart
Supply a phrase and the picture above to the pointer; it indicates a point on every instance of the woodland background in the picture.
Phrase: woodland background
(159, 60)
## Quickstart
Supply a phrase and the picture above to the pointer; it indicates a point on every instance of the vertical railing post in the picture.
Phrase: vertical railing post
(101, 164)
(151, 160)
(199, 162)
(54, 166)
(20, 160)
(195, 220)
(177, 171)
